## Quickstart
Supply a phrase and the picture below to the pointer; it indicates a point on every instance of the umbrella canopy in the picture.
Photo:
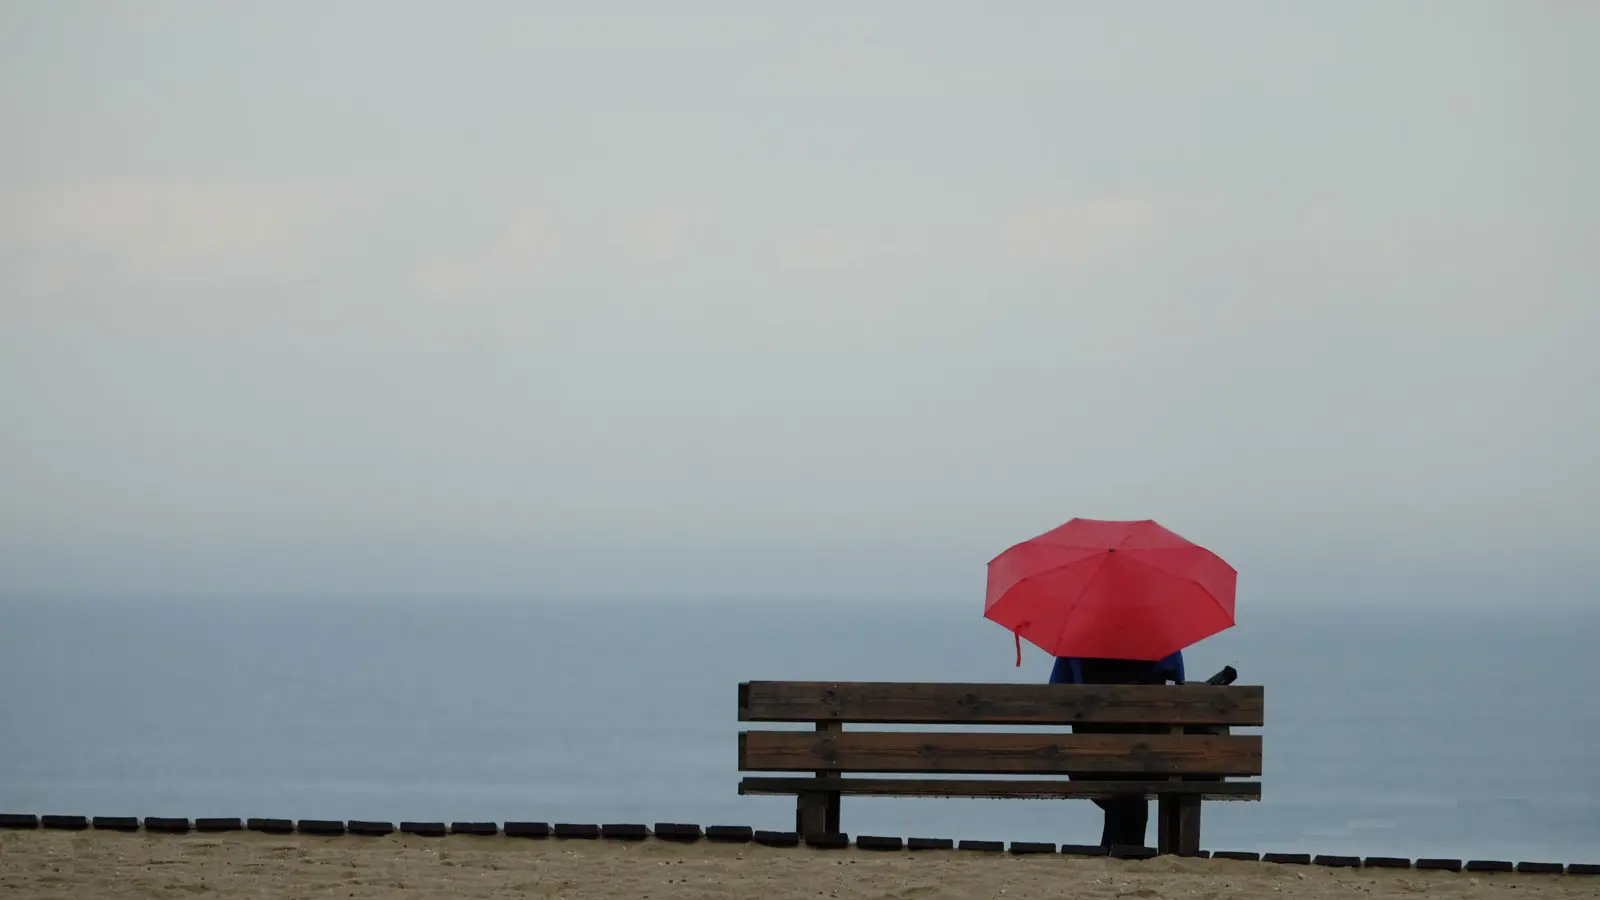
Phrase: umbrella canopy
(1110, 589)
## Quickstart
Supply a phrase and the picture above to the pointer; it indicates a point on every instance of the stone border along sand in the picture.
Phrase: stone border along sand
(685, 833)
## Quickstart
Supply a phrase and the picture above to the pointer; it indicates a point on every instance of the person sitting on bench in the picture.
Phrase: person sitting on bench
(1126, 818)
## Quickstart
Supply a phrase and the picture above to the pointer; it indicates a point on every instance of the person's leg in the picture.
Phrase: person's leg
(1106, 832)
(1136, 819)
(1126, 818)
(1127, 821)
(1107, 805)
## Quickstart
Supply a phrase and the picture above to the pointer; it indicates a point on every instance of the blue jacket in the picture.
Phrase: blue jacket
(1069, 669)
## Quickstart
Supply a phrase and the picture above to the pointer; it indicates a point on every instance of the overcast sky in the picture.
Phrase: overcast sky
(834, 299)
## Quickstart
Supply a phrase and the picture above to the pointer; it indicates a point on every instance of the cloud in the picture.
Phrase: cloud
(154, 230)
(519, 256)
(657, 236)
(1079, 235)
(836, 251)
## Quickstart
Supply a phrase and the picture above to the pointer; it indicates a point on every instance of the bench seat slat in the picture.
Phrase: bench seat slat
(1007, 789)
(886, 702)
(998, 753)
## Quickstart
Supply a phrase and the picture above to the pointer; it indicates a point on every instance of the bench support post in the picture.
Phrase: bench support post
(1178, 815)
(817, 812)
(1178, 824)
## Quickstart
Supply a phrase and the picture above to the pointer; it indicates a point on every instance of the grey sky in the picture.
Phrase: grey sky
(743, 298)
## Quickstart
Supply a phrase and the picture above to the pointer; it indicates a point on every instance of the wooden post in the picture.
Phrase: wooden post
(1187, 819)
(817, 812)
(1179, 824)
(1167, 823)
(1179, 814)
(811, 813)
(831, 798)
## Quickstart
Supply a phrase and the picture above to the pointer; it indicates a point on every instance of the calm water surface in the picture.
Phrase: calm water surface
(1469, 735)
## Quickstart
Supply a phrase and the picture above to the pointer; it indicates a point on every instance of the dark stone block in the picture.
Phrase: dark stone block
(1240, 855)
(1583, 869)
(624, 832)
(19, 820)
(168, 825)
(1386, 862)
(1287, 859)
(1490, 865)
(482, 829)
(1120, 852)
(116, 823)
(1539, 868)
(270, 826)
(930, 844)
(1439, 865)
(1206, 854)
(576, 832)
(678, 831)
(64, 823)
(527, 829)
(1029, 848)
(1338, 862)
(837, 840)
(872, 842)
(370, 829)
(215, 824)
(314, 826)
(777, 838)
(730, 834)
(423, 829)
(1084, 850)
(983, 846)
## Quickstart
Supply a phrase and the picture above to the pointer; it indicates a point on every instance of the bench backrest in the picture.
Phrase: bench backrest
(1175, 719)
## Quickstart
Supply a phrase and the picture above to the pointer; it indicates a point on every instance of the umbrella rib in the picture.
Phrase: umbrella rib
(1040, 574)
(1129, 536)
(1067, 619)
(1185, 578)
(1155, 568)
(1043, 572)
(1191, 581)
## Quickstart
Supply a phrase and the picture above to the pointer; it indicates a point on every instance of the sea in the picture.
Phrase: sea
(1472, 734)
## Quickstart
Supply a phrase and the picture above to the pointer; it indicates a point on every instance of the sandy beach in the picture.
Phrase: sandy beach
(48, 864)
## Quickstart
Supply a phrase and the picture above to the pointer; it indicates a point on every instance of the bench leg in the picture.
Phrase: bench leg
(816, 812)
(1178, 824)
(1166, 824)
(1179, 814)
(808, 815)
(819, 812)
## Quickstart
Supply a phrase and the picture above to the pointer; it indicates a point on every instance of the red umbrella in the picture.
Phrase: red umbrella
(1120, 590)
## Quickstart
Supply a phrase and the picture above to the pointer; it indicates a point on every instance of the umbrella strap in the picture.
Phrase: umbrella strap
(1018, 636)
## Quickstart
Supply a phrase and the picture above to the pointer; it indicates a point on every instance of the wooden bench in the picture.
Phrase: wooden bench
(1189, 761)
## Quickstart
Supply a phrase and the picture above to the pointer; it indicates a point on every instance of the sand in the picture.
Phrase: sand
(44, 864)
